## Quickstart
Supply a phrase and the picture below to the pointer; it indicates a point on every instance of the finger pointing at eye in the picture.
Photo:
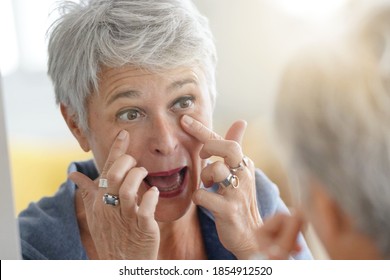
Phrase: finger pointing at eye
(118, 149)
(214, 144)
(198, 130)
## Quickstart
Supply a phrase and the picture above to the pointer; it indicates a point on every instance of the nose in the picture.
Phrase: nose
(163, 136)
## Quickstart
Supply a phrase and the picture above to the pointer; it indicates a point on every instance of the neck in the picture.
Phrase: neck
(182, 239)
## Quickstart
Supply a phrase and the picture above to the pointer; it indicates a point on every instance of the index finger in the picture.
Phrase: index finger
(198, 130)
(236, 131)
(118, 148)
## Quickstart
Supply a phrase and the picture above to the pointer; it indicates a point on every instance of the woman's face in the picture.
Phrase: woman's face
(149, 106)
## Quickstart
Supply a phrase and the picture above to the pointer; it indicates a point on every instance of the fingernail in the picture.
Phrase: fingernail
(122, 135)
(187, 120)
(144, 169)
(154, 188)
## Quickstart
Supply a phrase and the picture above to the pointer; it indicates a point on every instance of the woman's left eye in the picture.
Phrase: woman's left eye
(183, 102)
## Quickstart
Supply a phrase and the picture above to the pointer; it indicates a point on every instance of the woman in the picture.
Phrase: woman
(332, 112)
(136, 85)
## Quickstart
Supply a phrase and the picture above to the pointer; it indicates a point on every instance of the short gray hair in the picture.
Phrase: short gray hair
(150, 34)
(333, 114)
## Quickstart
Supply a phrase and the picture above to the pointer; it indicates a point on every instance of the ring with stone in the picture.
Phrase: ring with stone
(110, 199)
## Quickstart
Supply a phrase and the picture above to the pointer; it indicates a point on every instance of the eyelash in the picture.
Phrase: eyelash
(183, 99)
(124, 114)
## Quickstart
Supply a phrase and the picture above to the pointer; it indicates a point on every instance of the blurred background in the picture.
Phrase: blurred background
(254, 39)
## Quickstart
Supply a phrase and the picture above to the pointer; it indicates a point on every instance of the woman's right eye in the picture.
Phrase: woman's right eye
(129, 115)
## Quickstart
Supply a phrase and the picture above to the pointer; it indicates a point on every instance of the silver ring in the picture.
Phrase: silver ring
(111, 199)
(103, 183)
(230, 180)
(244, 163)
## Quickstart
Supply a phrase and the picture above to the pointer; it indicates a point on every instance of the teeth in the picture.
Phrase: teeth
(171, 188)
(174, 186)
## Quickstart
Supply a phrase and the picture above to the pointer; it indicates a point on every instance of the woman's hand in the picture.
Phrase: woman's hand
(125, 231)
(235, 209)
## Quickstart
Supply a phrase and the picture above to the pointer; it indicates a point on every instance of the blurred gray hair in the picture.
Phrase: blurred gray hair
(150, 34)
(333, 114)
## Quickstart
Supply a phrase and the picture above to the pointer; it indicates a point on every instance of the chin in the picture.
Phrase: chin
(174, 208)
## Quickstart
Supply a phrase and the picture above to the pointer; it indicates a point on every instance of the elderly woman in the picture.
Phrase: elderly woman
(136, 85)
(333, 113)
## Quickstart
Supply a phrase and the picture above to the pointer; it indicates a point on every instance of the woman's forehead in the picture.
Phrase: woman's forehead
(130, 81)
(112, 80)
(137, 72)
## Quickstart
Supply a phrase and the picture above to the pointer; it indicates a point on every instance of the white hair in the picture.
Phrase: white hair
(333, 114)
(150, 34)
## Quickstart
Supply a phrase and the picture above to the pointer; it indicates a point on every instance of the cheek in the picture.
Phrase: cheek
(100, 146)
(139, 142)
(194, 145)
(197, 162)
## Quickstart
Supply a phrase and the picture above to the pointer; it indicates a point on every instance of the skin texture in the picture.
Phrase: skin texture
(142, 123)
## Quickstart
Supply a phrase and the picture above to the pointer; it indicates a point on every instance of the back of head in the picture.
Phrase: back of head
(333, 112)
(149, 34)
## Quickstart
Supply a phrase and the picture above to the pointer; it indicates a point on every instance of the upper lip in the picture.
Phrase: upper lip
(165, 173)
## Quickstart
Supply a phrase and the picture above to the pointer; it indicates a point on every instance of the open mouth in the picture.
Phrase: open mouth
(170, 183)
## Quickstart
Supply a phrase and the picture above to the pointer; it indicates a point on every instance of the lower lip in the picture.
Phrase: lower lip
(178, 191)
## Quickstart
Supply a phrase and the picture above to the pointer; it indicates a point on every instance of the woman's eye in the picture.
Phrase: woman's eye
(184, 102)
(129, 115)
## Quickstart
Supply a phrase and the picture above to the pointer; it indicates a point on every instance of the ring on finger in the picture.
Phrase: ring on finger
(230, 180)
(243, 163)
(103, 183)
(110, 199)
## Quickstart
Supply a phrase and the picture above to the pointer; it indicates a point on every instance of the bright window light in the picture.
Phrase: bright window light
(33, 21)
(316, 10)
(27, 47)
(8, 46)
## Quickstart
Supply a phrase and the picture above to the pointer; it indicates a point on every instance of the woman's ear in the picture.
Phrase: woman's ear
(332, 224)
(337, 230)
(75, 128)
(330, 212)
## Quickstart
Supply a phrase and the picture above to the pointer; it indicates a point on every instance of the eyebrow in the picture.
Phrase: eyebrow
(134, 93)
(180, 83)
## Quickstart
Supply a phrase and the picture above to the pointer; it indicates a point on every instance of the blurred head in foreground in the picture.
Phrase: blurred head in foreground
(333, 115)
